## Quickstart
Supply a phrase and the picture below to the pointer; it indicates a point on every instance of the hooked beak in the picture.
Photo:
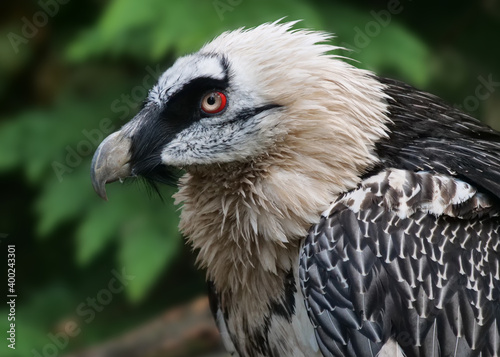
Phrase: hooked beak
(111, 162)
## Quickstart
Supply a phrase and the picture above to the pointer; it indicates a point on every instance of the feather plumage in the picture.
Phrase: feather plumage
(415, 266)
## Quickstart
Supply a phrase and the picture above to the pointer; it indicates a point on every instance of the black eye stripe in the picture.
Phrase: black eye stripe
(160, 124)
(182, 109)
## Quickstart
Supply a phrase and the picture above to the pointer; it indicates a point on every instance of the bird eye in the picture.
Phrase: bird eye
(213, 102)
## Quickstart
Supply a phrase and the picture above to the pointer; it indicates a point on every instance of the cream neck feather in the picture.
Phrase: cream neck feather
(247, 219)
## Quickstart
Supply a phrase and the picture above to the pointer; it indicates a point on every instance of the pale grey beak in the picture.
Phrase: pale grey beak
(110, 162)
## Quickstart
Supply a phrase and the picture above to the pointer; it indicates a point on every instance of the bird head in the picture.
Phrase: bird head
(236, 100)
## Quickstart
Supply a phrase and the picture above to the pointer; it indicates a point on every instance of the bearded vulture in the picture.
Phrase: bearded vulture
(336, 213)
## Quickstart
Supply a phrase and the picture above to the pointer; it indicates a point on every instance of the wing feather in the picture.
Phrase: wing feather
(427, 134)
(409, 256)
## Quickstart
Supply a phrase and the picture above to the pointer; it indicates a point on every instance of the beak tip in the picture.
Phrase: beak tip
(110, 163)
(99, 186)
(102, 194)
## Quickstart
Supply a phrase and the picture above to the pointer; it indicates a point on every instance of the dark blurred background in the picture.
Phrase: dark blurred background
(116, 277)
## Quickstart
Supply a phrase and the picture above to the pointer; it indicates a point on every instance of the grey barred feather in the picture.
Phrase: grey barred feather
(410, 256)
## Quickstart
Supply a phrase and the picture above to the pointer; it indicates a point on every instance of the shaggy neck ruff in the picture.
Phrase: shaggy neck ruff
(247, 219)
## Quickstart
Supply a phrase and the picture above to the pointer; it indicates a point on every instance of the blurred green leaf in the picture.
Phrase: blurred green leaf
(11, 146)
(379, 42)
(150, 29)
(34, 139)
(99, 227)
(147, 247)
(62, 201)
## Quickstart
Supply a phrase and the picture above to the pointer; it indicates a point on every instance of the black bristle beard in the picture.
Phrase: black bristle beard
(160, 175)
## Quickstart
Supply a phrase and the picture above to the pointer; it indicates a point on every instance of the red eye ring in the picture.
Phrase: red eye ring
(213, 102)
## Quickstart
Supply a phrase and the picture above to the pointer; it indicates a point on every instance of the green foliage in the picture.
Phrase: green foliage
(67, 195)
(144, 249)
(155, 27)
(53, 149)
(380, 43)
